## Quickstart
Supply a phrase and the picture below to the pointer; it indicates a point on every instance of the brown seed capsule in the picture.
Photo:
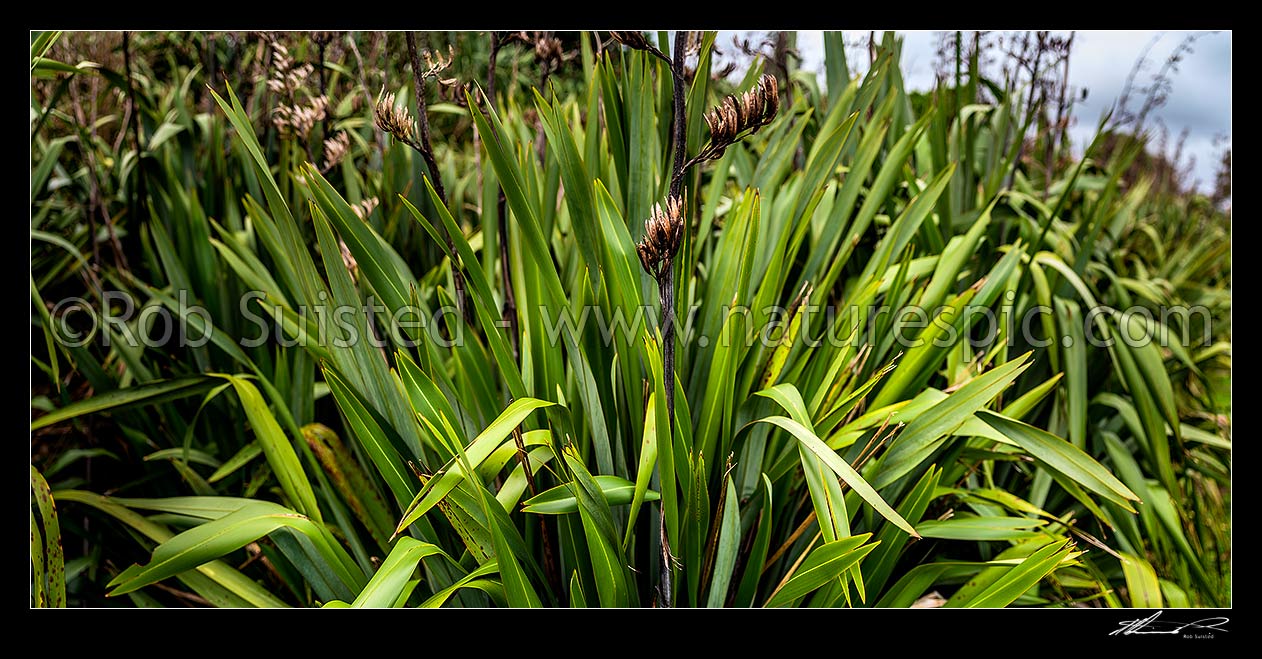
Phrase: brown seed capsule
(751, 108)
(771, 94)
(648, 258)
(711, 121)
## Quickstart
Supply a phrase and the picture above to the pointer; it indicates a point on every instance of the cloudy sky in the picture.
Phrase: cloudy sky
(1200, 97)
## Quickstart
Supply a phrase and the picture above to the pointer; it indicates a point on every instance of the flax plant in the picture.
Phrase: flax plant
(862, 362)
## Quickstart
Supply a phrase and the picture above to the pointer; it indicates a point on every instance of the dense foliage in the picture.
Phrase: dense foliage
(891, 384)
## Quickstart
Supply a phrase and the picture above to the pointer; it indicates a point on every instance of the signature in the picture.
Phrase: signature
(1151, 625)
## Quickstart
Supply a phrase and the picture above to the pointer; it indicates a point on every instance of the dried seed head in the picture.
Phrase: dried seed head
(298, 120)
(396, 121)
(452, 91)
(296, 77)
(692, 42)
(548, 50)
(280, 58)
(748, 112)
(335, 149)
(436, 64)
(286, 79)
(365, 208)
(348, 260)
(663, 233)
(635, 40)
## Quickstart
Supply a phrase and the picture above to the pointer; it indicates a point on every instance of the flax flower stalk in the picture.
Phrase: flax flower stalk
(424, 146)
(663, 234)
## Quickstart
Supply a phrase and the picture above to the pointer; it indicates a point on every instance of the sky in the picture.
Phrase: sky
(1200, 96)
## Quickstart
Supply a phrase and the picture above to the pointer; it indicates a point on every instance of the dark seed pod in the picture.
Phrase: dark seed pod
(635, 40)
(771, 95)
(648, 258)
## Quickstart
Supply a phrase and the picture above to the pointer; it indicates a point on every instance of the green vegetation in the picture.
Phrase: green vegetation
(821, 442)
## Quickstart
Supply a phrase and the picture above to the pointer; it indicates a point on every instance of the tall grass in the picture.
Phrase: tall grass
(477, 461)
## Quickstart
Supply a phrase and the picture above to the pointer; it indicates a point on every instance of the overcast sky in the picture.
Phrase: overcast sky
(1200, 97)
